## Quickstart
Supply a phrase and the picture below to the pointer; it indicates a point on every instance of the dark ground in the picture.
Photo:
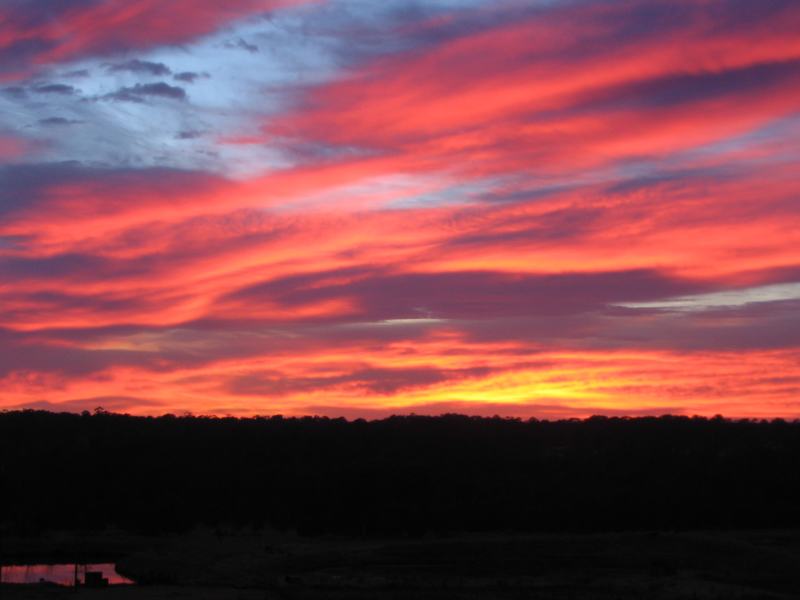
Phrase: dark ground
(406, 507)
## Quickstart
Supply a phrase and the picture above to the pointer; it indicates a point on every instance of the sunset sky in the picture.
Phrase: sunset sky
(541, 208)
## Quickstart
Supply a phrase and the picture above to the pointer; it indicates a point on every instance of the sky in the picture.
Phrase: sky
(541, 208)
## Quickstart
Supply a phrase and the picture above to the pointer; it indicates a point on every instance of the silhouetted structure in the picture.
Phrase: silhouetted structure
(95, 579)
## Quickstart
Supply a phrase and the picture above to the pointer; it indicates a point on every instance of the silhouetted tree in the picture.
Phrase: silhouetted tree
(396, 476)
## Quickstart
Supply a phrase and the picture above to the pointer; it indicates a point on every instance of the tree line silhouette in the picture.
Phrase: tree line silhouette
(400, 476)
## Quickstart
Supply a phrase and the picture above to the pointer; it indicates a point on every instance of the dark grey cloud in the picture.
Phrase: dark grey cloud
(77, 73)
(23, 185)
(64, 264)
(672, 90)
(56, 88)
(141, 91)
(757, 326)
(354, 35)
(188, 135)
(43, 32)
(58, 122)
(73, 266)
(241, 44)
(143, 67)
(14, 91)
(558, 225)
(12, 241)
(45, 358)
(189, 76)
(676, 178)
(29, 186)
(754, 326)
(376, 380)
(470, 294)
(21, 51)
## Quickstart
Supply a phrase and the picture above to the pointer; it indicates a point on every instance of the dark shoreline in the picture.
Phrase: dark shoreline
(735, 564)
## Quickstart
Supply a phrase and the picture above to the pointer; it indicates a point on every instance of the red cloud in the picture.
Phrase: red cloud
(563, 90)
(495, 205)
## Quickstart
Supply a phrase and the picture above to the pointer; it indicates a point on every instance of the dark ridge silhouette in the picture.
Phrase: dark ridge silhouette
(400, 476)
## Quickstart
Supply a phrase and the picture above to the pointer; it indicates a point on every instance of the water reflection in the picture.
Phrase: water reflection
(59, 574)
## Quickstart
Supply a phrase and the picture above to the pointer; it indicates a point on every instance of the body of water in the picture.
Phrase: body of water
(59, 574)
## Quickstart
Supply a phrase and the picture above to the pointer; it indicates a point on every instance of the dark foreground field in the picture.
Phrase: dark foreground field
(407, 507)
(207, 564)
